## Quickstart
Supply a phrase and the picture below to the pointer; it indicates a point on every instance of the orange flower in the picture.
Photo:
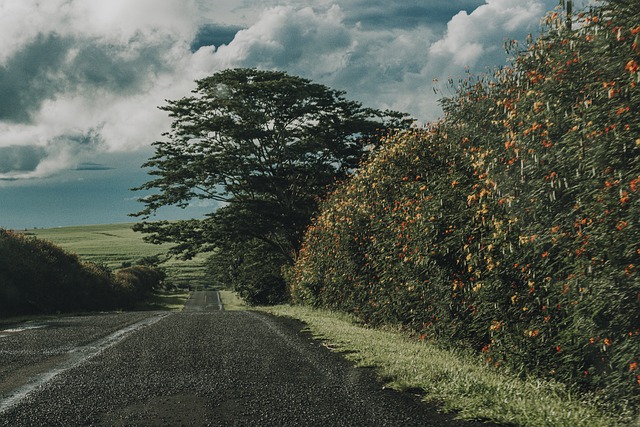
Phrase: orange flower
(607, 342)
(545, 254)
(622, 110)
(633, 366)
(635, 30)
(622, 225)
(625, 198)
(632, 67)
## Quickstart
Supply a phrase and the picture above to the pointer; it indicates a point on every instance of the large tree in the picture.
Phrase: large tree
(265, 144)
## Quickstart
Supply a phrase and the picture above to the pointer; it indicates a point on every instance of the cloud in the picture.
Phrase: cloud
(26, 78)
(91, 166)
(371, 65)
(470, 37)
(287, 36)
(35, 161)
(51, 65)
(378, 14)
(404, 15)
(214, 35)
(85, 78)
(20, 159)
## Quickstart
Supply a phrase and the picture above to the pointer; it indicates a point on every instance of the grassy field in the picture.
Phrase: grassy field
(117, 244)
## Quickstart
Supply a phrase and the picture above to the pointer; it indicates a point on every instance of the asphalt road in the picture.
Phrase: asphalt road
(198, 367)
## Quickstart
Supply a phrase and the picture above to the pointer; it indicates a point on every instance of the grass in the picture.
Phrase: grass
(165, 301)
(458, 382)
(117, 244)
(231, 301)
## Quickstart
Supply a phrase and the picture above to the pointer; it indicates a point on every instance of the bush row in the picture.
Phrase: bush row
(38, 277)
(511, 226)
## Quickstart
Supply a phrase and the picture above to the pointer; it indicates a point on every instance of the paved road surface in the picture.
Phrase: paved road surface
(198, 367)
(204, 301)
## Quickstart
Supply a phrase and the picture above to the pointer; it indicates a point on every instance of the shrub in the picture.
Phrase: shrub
(38, 277)
(251, 268)
(511, 226)
(135, 283)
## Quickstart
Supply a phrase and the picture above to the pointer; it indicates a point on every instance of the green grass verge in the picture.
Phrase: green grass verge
(164, 301)
(231, 301)
(456, 381)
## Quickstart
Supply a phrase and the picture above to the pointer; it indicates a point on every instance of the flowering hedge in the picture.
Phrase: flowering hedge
(512, 225)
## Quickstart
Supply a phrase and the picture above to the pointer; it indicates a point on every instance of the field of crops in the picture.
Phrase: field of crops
(116, 245)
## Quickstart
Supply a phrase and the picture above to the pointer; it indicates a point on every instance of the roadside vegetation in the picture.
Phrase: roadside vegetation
(231, 301)
(456, 380)
(117, 245)
(38, 277)
(510, 228)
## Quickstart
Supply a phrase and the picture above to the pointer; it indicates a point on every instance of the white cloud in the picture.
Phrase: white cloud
(73, 68)
(469, 37)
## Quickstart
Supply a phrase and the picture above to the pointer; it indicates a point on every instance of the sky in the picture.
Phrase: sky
(81, 80)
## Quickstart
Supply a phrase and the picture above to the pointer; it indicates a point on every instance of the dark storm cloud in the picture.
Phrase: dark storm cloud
(52, 65)
(25, 80)
(26, 161)
(114, 68)
(214, 34)
(406, 14)
(20, 158)
(90, 166)
(91, 138)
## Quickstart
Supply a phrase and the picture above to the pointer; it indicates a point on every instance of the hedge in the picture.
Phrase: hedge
(512, 225)
(37, 276)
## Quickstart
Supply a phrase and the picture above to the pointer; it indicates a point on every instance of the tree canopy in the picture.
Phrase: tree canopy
(264, 144)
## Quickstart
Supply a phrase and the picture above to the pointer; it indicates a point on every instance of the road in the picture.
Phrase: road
(198, 367)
